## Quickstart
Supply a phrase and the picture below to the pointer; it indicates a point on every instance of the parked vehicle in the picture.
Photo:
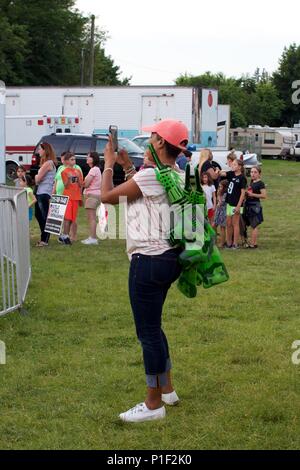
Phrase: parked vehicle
(220, 160)
(81, 145)
(141, 140)
(269, 142)
(220, 157)
(22, 133)
(295, 151)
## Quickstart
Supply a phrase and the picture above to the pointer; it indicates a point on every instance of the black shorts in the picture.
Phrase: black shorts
(253, 214)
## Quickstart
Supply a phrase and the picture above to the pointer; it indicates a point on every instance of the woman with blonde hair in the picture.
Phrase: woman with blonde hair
(205, 165)
(44, 181)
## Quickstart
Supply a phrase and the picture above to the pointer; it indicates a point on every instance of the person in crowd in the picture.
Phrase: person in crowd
(44, 181)
(237, 184)
(210, 194)
(154, 263)
(21, 172)
(220, 214)
(92, 196)
(147, 162)
(73, 181)
(59, 188)
(183, 160)
(253, 209)
(27, 183)
(205, 165)
(231, 157)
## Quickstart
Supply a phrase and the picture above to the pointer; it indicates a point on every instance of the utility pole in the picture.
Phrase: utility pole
(2, 133)
(82, 68)
(92, 51)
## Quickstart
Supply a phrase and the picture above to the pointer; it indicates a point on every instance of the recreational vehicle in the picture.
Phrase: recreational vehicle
(269, 142)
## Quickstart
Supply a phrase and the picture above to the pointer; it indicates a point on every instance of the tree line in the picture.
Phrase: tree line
(262, 98)
(47, 43)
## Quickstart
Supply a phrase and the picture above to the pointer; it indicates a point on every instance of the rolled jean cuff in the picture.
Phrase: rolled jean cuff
(160, 380)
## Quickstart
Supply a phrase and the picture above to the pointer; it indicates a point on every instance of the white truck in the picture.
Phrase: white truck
(24, 131)
(295, 151)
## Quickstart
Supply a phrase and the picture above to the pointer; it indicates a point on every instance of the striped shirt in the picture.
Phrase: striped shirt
(148, 218)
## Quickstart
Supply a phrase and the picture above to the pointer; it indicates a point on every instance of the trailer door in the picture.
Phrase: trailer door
(156, 108)
(82, 106)
(149, 111)
(166, 107)
(12, 107)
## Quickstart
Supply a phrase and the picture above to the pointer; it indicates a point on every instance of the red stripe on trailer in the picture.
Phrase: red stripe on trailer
(24, 149)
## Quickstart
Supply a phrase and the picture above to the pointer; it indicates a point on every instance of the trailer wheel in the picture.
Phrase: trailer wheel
(11, 171)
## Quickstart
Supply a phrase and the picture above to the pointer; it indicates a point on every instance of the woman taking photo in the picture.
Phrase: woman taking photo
(154, 263)
(45, 181)
(92, 193)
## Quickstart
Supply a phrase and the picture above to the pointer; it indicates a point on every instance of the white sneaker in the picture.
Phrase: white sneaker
(90, 241)
(170, 399)
(140, 413)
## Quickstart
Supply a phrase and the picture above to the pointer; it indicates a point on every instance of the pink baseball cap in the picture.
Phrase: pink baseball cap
(174, 132)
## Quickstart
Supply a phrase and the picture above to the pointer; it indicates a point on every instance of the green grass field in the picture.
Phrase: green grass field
(74, 363)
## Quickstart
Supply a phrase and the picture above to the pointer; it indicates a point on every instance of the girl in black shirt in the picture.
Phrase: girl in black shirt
(237, 184)
(254, 194)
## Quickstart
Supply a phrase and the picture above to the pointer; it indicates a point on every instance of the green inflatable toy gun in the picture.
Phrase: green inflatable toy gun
(200, 258)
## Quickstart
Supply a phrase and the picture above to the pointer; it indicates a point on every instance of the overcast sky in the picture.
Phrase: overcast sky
(156, 41)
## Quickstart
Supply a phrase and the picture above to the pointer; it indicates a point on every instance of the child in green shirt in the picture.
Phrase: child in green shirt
(26, 183)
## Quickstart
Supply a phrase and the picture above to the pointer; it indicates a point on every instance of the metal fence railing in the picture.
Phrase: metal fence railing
(15, 268)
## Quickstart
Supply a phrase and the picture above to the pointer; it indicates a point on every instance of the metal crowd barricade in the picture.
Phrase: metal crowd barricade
(15, 268)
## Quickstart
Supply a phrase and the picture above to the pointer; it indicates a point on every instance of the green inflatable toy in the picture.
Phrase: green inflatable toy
(200, 258)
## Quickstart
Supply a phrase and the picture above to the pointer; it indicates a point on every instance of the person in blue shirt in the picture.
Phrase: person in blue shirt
(182, 160)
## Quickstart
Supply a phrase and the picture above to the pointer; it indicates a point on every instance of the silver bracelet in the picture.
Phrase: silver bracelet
(108, 168)
(129, 170)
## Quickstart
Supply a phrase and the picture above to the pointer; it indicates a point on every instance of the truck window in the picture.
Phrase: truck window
(59, 144)
(100, 146)
(81, 146)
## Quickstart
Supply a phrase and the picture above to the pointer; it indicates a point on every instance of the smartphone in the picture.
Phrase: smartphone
(113, 130)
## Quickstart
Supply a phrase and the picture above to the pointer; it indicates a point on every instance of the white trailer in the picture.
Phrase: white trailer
(24, 131)
(130, 108)
(275, 142)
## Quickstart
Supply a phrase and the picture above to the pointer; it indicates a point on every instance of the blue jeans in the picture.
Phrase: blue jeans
(41, 212)
(150, 278)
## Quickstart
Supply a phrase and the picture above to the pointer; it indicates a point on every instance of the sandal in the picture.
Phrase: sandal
(252, 247)
(40, 244)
